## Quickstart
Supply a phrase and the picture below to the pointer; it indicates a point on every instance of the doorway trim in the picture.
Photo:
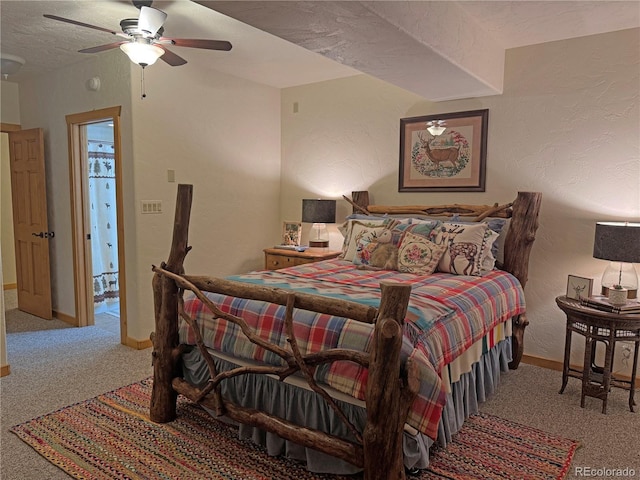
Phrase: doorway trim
(79, 215)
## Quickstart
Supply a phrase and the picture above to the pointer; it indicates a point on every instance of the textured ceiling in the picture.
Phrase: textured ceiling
(438, 49)
(47, 44)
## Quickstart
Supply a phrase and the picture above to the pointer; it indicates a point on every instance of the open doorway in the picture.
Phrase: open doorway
(97, 218)
(103, 220)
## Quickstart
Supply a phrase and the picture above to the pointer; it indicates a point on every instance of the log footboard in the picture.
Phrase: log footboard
(391, 388)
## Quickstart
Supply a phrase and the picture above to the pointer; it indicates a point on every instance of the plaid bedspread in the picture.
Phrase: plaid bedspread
(447, 314)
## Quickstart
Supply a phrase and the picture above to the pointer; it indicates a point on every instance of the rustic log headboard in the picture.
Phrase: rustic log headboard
(523, 212)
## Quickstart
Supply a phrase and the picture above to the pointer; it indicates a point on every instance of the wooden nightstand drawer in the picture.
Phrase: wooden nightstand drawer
(275, 259)
(274, 262)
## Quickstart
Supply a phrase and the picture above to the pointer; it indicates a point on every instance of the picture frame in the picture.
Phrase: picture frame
(579, 287)
(291, 233)
(453, 161)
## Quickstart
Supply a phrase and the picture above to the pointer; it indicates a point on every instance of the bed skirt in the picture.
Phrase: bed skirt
(305, 407)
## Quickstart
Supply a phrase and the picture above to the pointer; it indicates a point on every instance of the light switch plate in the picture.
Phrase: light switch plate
(151, 206)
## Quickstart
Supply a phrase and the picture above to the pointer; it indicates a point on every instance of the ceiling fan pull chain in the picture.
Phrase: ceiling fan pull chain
(143, 95)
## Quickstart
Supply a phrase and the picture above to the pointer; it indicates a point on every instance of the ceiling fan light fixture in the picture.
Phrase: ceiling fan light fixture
(142, 54)
(10, 64)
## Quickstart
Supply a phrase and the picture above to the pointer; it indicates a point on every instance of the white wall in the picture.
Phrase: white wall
(45, 102)
(567, 125)
(218, 132)
(9, 113)
(221, 134)
(9, 103)
(6, 215)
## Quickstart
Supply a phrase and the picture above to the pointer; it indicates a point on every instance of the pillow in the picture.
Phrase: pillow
(498, 225)
(418, 255)
(364, 252)
(379, 253)
(468, 248)
(423, 229)
(358, 231)
(345, 229)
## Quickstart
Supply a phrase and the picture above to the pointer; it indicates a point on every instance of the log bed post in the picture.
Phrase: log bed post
(165, 295)
(389, 393)
(518, 244)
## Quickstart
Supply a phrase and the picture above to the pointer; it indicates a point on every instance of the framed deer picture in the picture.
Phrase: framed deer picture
(444, 152)
(579, 287)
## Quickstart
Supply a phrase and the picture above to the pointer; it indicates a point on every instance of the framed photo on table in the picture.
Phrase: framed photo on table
(291, 233)
(449, 159)
(579, 287)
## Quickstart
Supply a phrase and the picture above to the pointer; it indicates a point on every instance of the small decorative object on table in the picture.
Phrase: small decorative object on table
(618, 295)
(579, 287)
(291, 233)
(600, 302)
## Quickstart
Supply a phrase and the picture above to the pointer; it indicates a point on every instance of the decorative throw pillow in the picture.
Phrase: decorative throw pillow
(498, 225)
(378, 253)
(468, 248)
(363, 252)
(418, 255)
(346, 227)
(360, 231)
(423, 228)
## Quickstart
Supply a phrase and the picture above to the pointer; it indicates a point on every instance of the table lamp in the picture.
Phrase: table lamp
(618, 242)
(319, 212)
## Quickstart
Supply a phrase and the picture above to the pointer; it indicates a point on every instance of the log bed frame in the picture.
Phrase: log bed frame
(392, 385)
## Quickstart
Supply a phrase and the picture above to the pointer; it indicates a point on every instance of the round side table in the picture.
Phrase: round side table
(599, 326)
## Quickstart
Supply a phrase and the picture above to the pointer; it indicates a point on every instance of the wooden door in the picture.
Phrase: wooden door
(31, 229)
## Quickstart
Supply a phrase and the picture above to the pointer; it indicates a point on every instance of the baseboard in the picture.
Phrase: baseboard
(556, 365)
(9, 286)
(66, 318)
(5, 370)
(138, 344)
(129, 342)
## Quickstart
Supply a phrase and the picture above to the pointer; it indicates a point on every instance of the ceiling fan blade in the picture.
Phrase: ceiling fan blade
(101, 48)
(171, 58)
(194, 43)
(151, 20)
(80, 24)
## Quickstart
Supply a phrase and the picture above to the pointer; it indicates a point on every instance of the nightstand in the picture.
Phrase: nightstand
(608, 328)
(275, 258)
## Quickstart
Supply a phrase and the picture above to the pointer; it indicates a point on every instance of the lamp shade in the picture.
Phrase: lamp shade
(617, 242)
(318, 211)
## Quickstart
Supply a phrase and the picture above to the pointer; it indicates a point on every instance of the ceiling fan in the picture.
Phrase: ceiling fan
(142, 37)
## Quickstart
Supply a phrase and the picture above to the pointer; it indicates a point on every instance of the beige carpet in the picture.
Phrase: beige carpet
(60, 365)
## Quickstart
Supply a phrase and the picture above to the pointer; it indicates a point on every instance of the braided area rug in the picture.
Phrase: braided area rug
(111, 437)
